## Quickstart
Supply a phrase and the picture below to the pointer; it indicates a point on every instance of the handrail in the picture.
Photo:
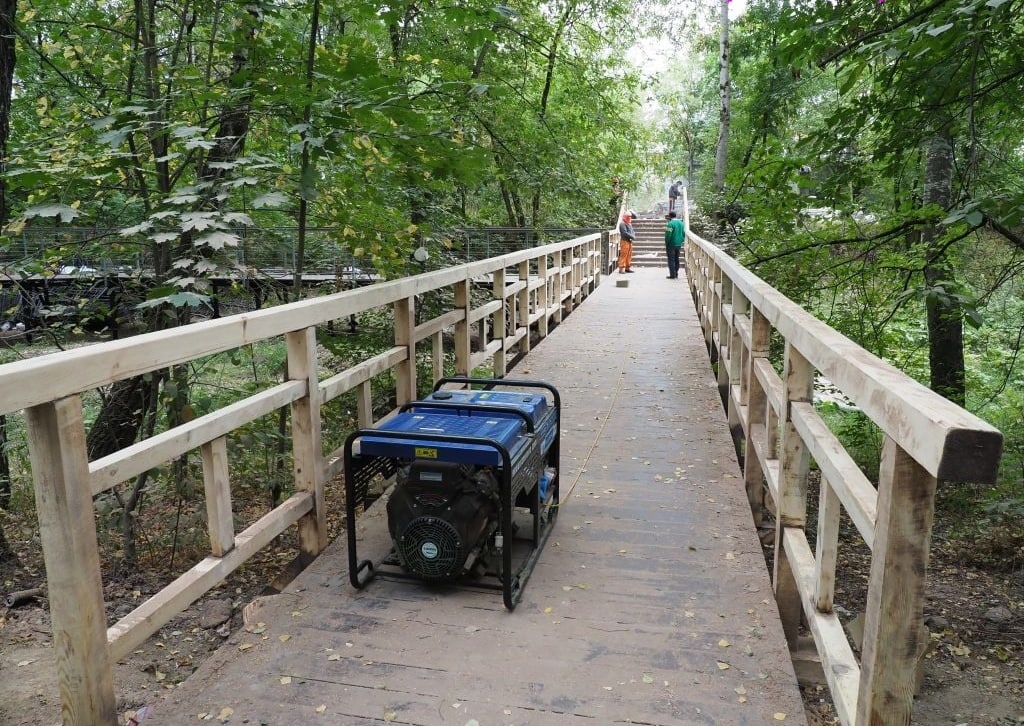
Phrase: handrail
(778, 431)
(552, 280)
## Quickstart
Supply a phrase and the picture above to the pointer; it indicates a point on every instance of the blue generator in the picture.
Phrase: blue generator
(475, 490)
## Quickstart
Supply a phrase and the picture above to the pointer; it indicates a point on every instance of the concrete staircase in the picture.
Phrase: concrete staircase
(649, 247)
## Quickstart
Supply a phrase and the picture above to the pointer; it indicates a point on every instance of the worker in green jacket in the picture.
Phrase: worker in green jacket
(675, 232)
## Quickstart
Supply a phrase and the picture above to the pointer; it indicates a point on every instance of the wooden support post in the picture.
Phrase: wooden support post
(463, 353)
(559, 284)
(893, 640)
(791, 509)
(307, 448)
(60, 469)
(826, 546)
(364, 404)
(437, 355)
(405, 372)
(523, 306)
(546, 294)
(757, 415)
(724, 329)
(498, 322)
(217, 486)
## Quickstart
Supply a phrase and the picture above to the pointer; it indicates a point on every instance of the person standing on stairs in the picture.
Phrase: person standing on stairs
(675, 232)
(626, 236)
(674, 192)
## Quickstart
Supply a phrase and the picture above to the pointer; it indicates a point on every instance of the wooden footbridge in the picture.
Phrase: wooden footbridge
(650, 604)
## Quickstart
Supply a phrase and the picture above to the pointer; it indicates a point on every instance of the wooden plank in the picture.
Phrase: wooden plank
(949, 442)
(837, 660)
(771, 383)
(348, 379)
(60, 470)
(154, 451)
(436, 325)
(896, 589)
(217, 486)
(483, 311)
(307, 454)
(147, 618)
(857, 494)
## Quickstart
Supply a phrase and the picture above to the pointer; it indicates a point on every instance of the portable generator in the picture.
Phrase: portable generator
(475, 489)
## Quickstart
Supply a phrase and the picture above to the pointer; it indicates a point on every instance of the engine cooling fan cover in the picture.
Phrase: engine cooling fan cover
(431, 547)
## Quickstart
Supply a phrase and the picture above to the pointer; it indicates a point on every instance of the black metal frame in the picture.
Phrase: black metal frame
(360, 470)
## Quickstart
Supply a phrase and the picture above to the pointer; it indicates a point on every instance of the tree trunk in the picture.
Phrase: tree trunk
(5, 469)
(945, 317)
(722, 152)
(307, 163)
(8, 10)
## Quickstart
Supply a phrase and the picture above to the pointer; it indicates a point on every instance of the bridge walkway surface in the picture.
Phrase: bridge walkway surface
(650, 604)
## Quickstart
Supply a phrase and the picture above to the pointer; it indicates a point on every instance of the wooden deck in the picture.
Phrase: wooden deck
(651, 603)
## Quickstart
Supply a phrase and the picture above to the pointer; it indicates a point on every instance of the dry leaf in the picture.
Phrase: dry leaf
(321, 708)
(245, 646)
(548, 609)
(258, 628)
(648, 678)
(779, 716)
(285, 680)
(335, 656)
(722, 666)
(724, 643)
(284, 638)
(225, 714)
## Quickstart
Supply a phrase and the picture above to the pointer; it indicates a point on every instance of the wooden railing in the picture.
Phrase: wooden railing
(532, 288)
(778, 432)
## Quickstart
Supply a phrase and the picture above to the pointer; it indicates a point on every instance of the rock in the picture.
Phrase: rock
(936, 622)
(214, 613)
(998, 615)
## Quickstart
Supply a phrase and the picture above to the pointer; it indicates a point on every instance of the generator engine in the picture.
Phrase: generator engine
(441, 516)
(475, 490)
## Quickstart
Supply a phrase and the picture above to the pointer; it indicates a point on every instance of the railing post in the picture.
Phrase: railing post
(217, 487)
(893, 640)
(498, 323)
(67, 529)
(757, 414)
(725, 349)
(546, 293)
(523, 306)
(791, 509)
(462, 349)
(405, 372)
(307, 449)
